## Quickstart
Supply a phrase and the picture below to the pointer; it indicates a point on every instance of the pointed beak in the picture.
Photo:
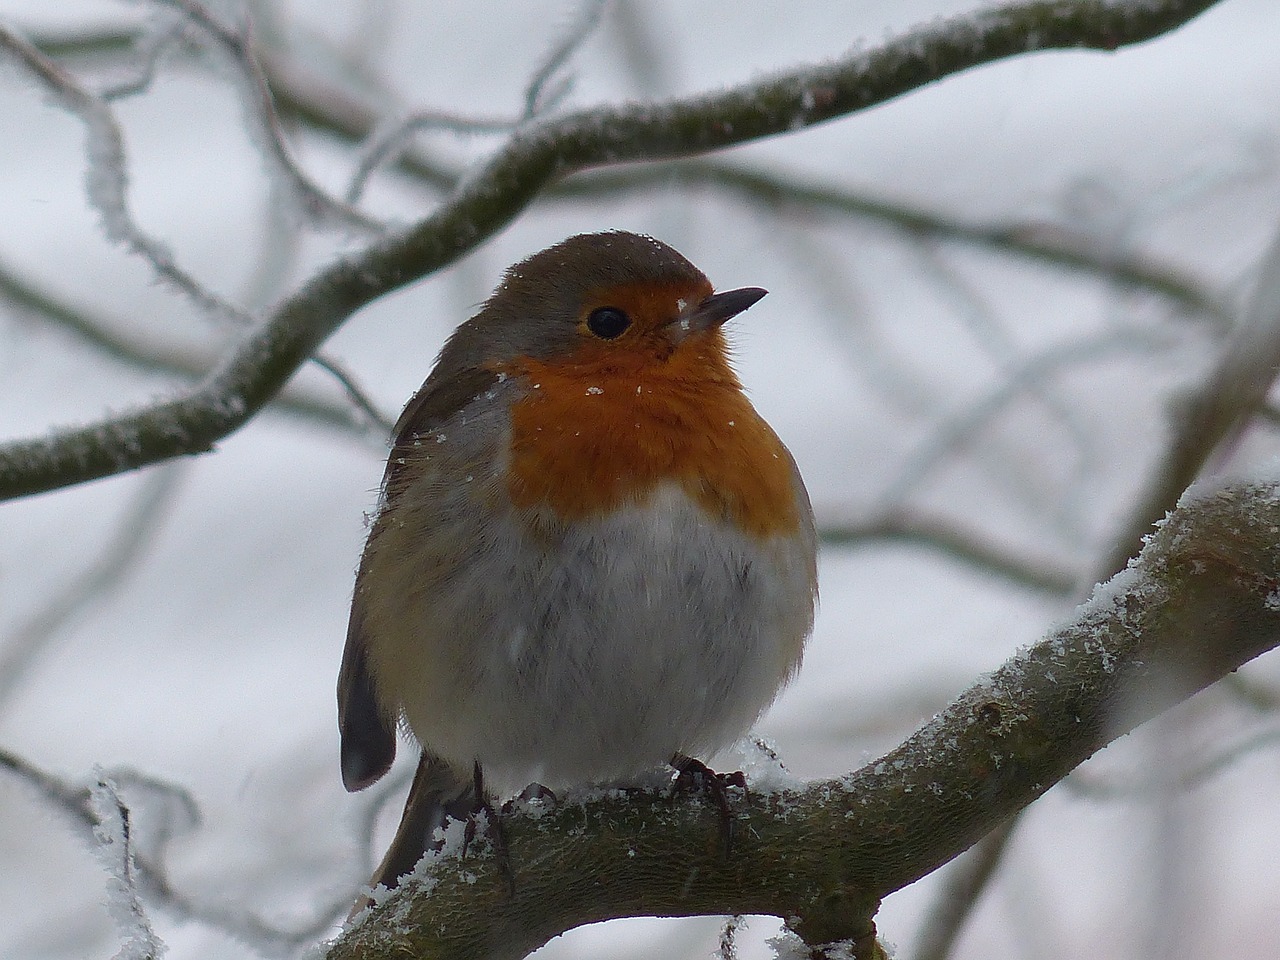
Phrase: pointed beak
(716, 309)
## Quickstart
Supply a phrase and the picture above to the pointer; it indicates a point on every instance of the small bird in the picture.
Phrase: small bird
(591, 555)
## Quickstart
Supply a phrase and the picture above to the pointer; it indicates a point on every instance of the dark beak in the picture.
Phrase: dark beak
(716, 309)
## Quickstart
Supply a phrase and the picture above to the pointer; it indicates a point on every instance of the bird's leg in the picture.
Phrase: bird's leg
(695, 775)
(496, 834)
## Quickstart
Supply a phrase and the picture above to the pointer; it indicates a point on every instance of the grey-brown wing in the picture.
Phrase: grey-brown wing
(367, 727)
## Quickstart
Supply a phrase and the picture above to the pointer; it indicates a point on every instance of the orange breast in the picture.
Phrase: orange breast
(601, 430)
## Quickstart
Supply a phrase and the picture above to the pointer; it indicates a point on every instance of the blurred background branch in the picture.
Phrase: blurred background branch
(995, 388)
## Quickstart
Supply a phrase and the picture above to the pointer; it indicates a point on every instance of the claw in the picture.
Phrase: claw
(695, 775)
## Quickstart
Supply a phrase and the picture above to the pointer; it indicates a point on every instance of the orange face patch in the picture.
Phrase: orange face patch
(610, 422)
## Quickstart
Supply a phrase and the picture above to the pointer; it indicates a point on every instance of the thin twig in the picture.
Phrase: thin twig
(1043, 242)
(967, 546)
(107, 180)
(959, 427)
(540, 95)
(357, 395)
(1214, 413)
(386, 146)
(153, 355)
(1162, 784)
(980, 318)
(238, 49)
(155, 40)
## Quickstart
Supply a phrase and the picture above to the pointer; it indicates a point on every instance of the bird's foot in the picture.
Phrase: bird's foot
(493, 820)
(694, 775)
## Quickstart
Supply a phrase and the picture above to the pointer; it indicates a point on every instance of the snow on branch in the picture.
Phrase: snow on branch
(1200, 601)
(533, 157)
(113, 832)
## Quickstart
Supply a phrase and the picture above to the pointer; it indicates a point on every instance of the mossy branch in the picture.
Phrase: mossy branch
(1200, 600)
(535, 156)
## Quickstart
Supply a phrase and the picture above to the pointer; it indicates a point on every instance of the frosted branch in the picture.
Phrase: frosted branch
(311, 98)
(136, 858)
(107, 182)
(158, 38)
(237, 49)
(113, 832)
(149, 354)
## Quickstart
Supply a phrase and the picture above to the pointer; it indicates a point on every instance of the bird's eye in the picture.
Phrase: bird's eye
(607, 322)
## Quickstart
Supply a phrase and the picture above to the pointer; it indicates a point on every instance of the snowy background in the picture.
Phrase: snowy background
(183, 624)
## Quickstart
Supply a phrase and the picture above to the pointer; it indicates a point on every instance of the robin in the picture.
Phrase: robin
(591, 555)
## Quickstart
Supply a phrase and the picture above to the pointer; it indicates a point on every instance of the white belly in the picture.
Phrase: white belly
(593, 652)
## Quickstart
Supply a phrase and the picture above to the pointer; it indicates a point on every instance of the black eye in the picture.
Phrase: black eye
(607, 322)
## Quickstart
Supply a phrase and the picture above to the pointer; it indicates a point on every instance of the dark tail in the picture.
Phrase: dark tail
(438, 794)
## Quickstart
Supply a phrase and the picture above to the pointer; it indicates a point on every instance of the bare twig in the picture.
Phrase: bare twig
(1252, 692)
(540, 95)
(958, 428)
(355, 393)
(154, 355)
(238, 49)
(1042, 242)
(985, 330)
(1210, 416)
(107, 179)
(967, 546)
(387, 145)
(159, 37)
(1162, 784)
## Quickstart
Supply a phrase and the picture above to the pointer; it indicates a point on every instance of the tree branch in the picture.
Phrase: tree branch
(1198, 603)
(532, 158)
(358, 416)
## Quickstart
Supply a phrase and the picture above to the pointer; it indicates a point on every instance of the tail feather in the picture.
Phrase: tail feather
(438, 794)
